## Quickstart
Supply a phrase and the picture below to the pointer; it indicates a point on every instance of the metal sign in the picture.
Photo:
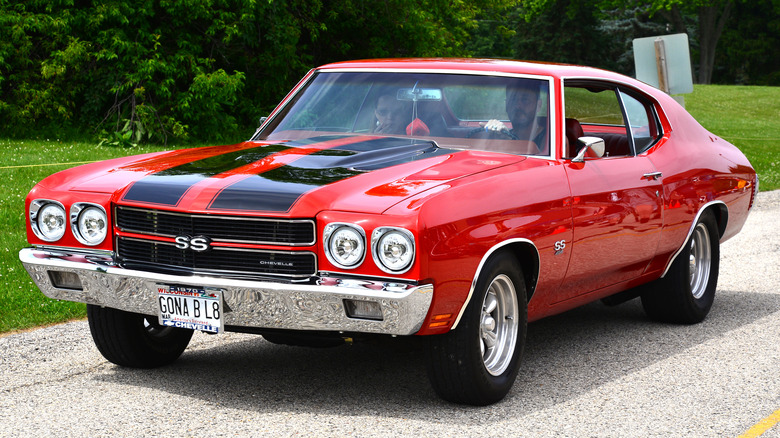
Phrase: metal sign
(664, 62)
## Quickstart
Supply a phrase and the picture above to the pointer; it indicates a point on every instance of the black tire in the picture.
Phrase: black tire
(458, 369)
(134, 340)
(303, 340)
(685, 295)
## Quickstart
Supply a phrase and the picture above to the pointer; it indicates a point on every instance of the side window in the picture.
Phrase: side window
(641, 122)
(594, 106)
(595, 110)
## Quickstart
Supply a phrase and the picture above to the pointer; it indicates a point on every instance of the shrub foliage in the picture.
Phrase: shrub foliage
(206, 69)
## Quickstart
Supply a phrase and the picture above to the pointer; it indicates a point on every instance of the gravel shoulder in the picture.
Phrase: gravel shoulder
(594, 371)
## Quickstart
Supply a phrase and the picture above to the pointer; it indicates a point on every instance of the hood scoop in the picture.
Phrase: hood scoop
(386, 152)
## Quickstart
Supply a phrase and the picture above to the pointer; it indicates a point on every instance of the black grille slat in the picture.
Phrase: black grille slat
(267, 231)
(255, 262)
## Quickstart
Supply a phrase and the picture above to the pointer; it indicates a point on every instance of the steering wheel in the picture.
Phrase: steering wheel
(504, 132)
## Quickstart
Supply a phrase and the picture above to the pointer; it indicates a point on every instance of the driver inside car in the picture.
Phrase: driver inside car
(522, 103)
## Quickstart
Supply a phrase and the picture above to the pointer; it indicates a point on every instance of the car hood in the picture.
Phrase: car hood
(297, 178)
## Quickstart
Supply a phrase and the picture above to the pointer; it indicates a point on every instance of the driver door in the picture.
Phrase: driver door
(617, 199)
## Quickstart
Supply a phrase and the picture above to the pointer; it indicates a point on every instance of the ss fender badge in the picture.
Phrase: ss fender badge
(197, 243)
(559, 247)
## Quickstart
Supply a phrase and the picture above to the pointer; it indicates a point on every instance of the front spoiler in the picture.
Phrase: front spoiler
(255, 304)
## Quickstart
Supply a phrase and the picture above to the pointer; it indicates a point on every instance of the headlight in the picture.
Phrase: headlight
(393, 249)
(48, 219)
(89, 223)
(345, 245)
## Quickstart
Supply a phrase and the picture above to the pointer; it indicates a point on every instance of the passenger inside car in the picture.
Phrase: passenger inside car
(391, 116)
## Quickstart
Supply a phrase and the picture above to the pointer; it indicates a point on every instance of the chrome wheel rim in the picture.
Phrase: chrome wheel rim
(498, 325)
(700, 261)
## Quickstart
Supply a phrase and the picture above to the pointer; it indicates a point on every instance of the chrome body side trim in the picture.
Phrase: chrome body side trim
(690, 232)
(259, 304)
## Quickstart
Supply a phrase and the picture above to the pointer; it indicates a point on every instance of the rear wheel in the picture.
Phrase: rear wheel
(685, 295)
(134, 340)
(477, 362)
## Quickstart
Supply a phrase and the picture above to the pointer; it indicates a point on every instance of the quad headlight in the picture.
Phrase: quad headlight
(393, 249)
(88, 223)
(48, 219)
(345, 245)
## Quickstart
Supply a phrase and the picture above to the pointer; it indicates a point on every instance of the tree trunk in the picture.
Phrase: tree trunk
(712, 20)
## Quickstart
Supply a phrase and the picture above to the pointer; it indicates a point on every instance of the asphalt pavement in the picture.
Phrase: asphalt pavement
(595, 371)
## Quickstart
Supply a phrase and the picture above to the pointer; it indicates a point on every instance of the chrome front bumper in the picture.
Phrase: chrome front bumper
(257, 304)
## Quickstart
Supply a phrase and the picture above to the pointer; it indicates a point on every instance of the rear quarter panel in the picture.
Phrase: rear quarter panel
(698, 168)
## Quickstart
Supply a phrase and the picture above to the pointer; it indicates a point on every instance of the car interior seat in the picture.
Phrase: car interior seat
(573, 132)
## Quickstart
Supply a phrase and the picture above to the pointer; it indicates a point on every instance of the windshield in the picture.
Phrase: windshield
(502, 114)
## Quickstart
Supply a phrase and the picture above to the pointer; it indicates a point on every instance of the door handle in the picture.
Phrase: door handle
(652, 175)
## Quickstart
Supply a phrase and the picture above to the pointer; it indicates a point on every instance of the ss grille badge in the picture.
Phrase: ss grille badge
(196, 243)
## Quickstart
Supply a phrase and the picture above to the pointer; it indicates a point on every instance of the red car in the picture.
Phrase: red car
(453, 199)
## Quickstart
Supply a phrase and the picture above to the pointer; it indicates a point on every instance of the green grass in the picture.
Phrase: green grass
(745, 116)
(23, 163)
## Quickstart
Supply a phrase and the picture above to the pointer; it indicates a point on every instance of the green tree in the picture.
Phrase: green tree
(711, 18)
(169, 69)
(749, 44)
(568, 31)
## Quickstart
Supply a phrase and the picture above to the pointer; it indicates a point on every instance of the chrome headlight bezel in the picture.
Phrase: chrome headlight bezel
(382, 233)
(333, 231)
(36, 213)
(78, 212)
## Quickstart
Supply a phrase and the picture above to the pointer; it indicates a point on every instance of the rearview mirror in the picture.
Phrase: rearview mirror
(594, 144)
(418, 94)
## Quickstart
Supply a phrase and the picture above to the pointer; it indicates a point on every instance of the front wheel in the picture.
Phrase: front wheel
(685, 295)
(477, 362)
(133, 340)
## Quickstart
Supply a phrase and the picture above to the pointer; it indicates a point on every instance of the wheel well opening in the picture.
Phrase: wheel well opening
(529, 260)
(721, 213)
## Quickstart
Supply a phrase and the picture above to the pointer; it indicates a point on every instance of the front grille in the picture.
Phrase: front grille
(165, 257)
(262, 231)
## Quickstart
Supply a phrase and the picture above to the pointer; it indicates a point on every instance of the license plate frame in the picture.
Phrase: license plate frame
(190, 307)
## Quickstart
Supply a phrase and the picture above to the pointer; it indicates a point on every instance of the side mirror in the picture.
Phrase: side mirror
(594, 144)
(262, 120)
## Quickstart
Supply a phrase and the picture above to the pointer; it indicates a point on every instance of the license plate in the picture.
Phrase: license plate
(195, 308)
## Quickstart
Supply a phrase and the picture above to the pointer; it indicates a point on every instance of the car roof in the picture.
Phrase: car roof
(472, 64)
(558, 71)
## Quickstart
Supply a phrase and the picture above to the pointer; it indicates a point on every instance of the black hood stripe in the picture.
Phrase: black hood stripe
(278, 189)
(169, 186)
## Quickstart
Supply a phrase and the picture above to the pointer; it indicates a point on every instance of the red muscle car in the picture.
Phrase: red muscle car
(454, 199)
